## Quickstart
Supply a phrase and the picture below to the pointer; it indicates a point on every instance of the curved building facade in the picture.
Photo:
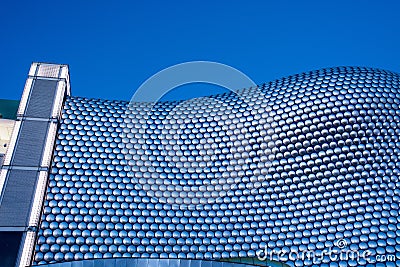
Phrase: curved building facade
(302, 171)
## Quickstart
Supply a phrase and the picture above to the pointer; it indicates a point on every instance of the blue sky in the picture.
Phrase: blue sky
(112, 48)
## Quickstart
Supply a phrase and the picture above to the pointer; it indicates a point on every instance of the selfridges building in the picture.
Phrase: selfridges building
(301, 171)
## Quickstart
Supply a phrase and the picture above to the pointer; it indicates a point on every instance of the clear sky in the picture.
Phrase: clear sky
(112, 47)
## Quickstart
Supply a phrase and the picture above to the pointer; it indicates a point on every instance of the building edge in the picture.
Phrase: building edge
(25, 170)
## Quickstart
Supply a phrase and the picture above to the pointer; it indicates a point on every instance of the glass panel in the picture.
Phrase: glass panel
(9, 245)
